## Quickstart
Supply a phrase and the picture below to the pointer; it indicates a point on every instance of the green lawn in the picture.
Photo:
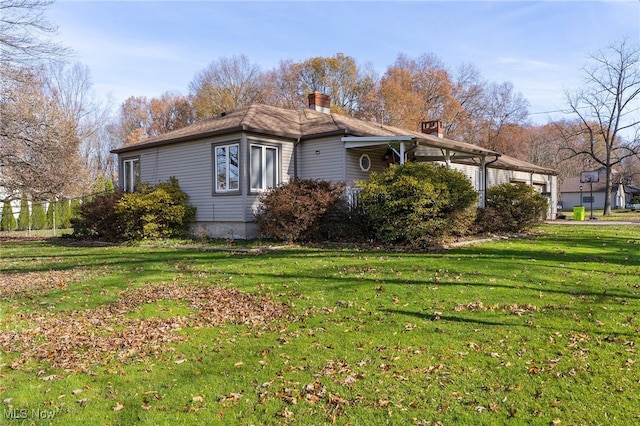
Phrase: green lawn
(540, 330)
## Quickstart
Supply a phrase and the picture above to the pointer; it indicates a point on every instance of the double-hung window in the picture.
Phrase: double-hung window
(264, 167)
(227, 169)
(130, 174)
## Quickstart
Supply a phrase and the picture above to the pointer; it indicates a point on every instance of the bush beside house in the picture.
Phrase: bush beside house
(159, 211)
(299, 210)
(511, 208)
(417, 203)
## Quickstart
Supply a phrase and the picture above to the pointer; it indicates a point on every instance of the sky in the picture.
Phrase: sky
(147, 48)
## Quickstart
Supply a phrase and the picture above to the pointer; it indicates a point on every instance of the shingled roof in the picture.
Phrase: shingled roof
(511, 163)
(300, 125)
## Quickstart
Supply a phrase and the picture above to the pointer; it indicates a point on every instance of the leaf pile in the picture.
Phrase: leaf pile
(82, 339)
(29, 284)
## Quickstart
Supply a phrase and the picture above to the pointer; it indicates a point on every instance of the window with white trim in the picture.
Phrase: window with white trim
(130, 174)
(226, 168)
(365, 162)
(263, 167)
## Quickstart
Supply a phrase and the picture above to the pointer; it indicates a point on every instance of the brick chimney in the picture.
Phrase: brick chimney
(320, 102)
(433, 127)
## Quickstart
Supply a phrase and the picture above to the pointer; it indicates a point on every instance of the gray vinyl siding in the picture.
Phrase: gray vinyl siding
(321, 159)
(352, 163)
(192, 164)
(286, 157)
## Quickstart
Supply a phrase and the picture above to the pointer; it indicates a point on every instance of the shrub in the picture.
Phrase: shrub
(417, 203)
(8, 222)
(24, 216)
(159, 211)
(298, 210)
(97, 218)
(512, 208)
(63, 213)
(38, 216)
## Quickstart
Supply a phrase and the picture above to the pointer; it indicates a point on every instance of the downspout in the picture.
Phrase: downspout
(295, 158)
(484, 165)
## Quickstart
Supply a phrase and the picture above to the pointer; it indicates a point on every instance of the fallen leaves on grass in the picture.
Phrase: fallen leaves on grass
(82, 339)
(29, 284)
(514, 309)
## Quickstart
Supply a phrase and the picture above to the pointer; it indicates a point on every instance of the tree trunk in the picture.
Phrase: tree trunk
(607, 191)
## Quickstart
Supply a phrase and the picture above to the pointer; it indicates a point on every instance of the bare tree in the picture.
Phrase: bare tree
(228, 83)
(24, 33)
(504, 109)
(338, 76)
(606, 110)
(71, 88)
(38, 143)
(281, 86)
(468, 90)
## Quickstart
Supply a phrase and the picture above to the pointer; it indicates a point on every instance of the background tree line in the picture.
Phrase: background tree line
(56, 134)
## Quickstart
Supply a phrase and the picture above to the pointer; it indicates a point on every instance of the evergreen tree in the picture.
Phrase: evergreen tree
(38, 216)
(109, 186)
(50, 213)
(63, 214)
(74, 208)
(24, 215)
(102, 186)
(8, 222)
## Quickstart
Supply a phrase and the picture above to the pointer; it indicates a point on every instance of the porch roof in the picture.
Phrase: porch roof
(424, 147)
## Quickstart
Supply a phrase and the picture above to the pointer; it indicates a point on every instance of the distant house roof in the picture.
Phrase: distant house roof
(301, 124)
(572, 184)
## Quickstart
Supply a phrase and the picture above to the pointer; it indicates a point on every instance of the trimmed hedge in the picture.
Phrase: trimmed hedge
(417, 203)
(512, 207)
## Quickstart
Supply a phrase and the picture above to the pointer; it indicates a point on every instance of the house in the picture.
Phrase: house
(226, 162)
(578, 191)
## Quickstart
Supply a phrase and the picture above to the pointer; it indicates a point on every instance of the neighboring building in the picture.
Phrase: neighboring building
(575, 193)
(226, 162)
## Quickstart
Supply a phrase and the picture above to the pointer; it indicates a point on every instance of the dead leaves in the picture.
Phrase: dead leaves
(31, 284)
(514, 309)
(82, 339)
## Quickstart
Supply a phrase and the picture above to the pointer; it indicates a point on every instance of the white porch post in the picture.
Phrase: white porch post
(483, 182)
(402, 150)
(446, 154)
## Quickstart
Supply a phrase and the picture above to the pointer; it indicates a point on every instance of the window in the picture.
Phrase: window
(264, 167)
(130, 174)
(365, 162)
(226, 169)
